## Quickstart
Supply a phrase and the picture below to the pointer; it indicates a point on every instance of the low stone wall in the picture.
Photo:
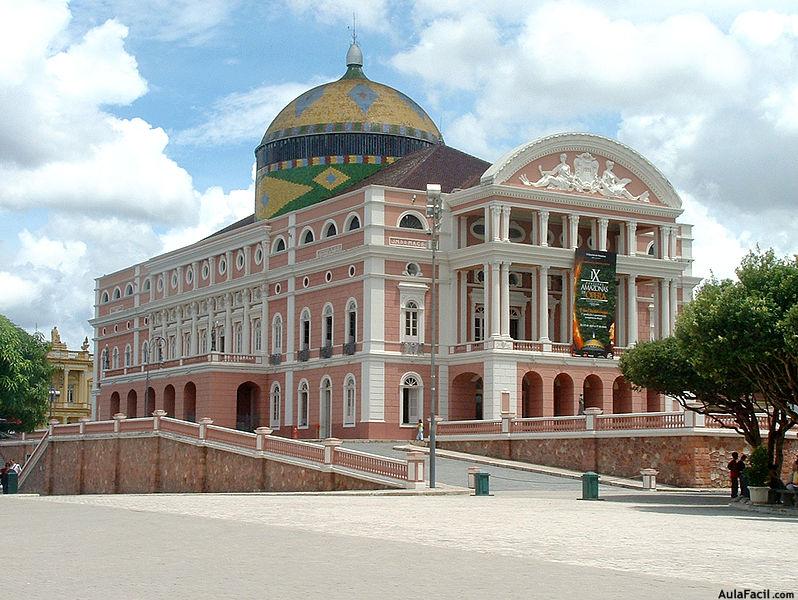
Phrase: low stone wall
(150, 464)
(682, 460)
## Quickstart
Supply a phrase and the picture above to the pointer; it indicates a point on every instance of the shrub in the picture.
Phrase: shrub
(756, 473)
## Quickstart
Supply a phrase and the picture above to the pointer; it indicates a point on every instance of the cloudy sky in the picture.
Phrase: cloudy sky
(128, 126)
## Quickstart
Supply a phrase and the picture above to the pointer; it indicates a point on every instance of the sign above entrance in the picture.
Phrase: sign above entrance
(594, 304)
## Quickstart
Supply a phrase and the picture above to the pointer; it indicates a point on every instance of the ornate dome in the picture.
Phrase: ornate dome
(337, 134)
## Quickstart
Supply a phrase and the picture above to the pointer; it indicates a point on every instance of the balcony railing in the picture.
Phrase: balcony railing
(326, 351)
(350, 348)
(213, 357)
(303, 355)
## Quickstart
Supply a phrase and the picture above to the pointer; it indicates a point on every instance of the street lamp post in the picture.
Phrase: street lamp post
(434, 214)
(158, 340)
(54, 393)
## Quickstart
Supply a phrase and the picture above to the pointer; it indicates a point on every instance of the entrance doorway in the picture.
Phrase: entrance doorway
(325, 410)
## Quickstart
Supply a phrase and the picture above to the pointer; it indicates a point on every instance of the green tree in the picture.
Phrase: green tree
(25, 376)
(735, 351)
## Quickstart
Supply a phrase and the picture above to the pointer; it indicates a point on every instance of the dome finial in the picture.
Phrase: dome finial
(354, 56)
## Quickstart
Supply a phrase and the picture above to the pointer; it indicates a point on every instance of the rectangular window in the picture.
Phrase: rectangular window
(352, 335)
(305, 335)
(411, 323)
(328, 330)
(203, 342)
(71, 393)
(349, 413)
(303, 409)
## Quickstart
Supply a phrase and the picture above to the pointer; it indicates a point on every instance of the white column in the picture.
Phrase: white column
(165, 342)
(495, 212)
(179, 350)
(652, 323)
(505, 236)
(553, 303)
(665, 308)
(495, 299)
(631, 309)
(211, 326)
(673, 238)
(266, 249)
(488, 235)
(631, 239)
(565, 313)
(245, 341)
(674, 306)
(212, 271)
(602, 234)
(505, 294)
(487, 302)
(265, 324)
(136, 341)
(196, 271)
(247, 252)
(573, 222)
(565, 232)
(543, 228)
(179, 280)
(664, 241)
(593, 235)
(534, 300)
(462, 290)
(194, 338)
(228, 322)
(620, 319)
(543, 295)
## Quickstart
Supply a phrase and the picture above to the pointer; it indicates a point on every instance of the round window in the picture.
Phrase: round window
(352, 270)
(277, 288)
(116, 328)
(222, 266)
(206, 270)
(306, 281)
(258, 255)
(103, 330)
(160, 284)
(516, 233)
(129, 324)
(478, 229)
(328, 276)
(412, 269)
(174, 279)
(240, 260)
(189, 275)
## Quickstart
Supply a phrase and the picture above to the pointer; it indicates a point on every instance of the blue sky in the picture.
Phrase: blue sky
(129, 125)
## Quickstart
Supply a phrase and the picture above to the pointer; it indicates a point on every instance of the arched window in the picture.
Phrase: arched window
(302, 404)
(274, 407)
(239, 339)
(330, 230)
(128, 355)
(354, 223)
(411, 395)
(129, 290)
(411, 221)
(652, 249)
(115, 362)
(304, 330)
(147, 285)
(411, 320)
(307, 236)
(349, 401)
(351, 322)
(256, 336)
(277, 334)
(279, 245)
(105, 358)
(117, 293)
(327, 326)
(104, 298)
(145, 353)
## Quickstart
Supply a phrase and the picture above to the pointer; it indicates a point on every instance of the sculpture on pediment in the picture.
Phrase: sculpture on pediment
(55, 337)
(85, 346)
(585, 178)
(615, 187)
(559, 178)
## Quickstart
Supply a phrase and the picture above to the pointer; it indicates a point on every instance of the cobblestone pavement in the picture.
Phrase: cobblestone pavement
(514, 544)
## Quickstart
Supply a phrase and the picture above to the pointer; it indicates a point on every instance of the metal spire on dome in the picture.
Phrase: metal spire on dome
(354, 56)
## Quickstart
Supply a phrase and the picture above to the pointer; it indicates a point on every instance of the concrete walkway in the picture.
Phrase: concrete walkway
(515, 544)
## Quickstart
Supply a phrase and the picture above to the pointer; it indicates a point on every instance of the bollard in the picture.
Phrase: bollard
(649, 479)
(12, 482)
(471, 472)
(482, 484)
(590, 486)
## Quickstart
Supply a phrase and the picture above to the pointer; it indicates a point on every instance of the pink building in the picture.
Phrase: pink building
(313, 316)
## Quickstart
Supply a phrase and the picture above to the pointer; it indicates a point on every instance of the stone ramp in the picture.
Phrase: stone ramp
(163, 455)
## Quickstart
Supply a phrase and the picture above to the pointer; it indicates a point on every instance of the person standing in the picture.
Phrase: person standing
(420, 431)
(15, 467)
(734, 474)
(743, 477)
(793, 482)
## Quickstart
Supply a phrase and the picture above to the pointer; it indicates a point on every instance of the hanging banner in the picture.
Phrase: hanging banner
(594, 303)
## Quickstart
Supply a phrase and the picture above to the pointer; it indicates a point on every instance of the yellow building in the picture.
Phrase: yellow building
(72, 379)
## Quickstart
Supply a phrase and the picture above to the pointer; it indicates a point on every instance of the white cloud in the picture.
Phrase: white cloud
(710, 98)
(244, 116)
(373, 15)
(60, 149)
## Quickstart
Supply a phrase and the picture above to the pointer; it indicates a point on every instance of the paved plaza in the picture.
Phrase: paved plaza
(533, 543)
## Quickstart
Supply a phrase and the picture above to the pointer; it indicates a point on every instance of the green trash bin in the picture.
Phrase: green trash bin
(590, 486)
(482, 484)
(12, 483)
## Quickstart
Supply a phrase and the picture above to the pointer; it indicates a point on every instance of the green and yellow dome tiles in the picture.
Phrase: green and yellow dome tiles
(333, 136)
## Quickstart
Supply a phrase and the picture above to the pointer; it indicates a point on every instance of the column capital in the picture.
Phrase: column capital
(505, 208)
(495, 208)
(543, 212)
(603, 221)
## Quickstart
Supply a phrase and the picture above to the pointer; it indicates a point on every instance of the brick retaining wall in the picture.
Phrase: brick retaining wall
(151, 464)
(682, 460)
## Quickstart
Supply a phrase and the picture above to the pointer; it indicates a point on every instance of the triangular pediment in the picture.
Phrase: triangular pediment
(584, 165)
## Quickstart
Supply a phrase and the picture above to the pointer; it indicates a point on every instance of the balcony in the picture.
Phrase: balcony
(412, 348)
(326, 351)
(303, 355)
(200, 359)
(275, 359)
(350, 348)
(535, 346)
